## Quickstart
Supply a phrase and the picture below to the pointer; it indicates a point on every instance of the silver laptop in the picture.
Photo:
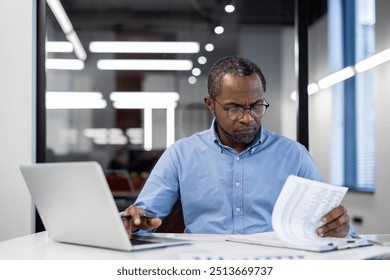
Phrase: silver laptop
(76, 206)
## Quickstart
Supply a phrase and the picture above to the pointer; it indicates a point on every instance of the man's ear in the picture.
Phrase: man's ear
(209, 103)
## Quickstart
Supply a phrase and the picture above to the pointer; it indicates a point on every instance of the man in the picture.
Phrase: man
(228, 177)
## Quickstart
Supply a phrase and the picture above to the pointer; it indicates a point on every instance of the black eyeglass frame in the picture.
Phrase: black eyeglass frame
(237, 116)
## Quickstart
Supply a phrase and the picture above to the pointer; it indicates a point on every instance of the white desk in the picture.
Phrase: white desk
(40, 247)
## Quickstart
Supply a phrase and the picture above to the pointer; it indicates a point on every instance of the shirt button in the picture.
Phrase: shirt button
(237, 184)
(237, 158)
(238, 210)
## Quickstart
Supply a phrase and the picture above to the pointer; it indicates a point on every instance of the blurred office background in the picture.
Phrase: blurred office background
(87, 120)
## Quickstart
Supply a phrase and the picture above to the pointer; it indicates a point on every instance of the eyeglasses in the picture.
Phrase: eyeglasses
(237, 112)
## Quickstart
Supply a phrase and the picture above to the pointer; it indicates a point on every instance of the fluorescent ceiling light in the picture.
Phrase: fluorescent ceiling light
(59, 47)
(67, 27)
(293, 96)
(64, 64)
(144, 47)
(78, 48)
(311, 89)
(346, 73)
(60, 14)
(336, 77)
(148, 129)
(75, 100)
(145, 64)
(143, 100)
(373, 61)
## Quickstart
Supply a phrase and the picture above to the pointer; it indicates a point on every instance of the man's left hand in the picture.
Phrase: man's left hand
(336, 223)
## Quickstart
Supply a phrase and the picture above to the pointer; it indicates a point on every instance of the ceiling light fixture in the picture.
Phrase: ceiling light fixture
(202, 60)
(75, 100)
(229, 7)
(196, 71)
(67, 27)
(59, 47)
(64, 64)
(209, 47)
(219, 29)
(78, 48)
(144, 47)
(148, 129)
(311, 89)
(373, 61)
(145, 64)
(192, 80)
(336, 77)
(347, 72)
(143, 99)
(61, 16)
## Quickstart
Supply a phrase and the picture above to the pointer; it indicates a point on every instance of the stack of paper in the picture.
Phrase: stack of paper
(297, 215)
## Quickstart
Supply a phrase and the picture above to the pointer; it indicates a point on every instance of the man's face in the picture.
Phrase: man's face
(242, 92)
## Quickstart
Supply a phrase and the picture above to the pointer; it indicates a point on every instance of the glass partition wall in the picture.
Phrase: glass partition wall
(125, 79)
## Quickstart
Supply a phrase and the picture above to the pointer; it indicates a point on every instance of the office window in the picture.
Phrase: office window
(352, 38)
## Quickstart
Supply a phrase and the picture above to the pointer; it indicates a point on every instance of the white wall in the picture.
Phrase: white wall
(16, 90)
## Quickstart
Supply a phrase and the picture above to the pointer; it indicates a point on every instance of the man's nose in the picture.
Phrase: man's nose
(246, 115)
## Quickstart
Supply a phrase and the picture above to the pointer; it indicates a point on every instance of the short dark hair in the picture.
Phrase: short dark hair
(235, 65)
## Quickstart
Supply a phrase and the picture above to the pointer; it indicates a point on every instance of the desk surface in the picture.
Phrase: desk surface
(39, 246)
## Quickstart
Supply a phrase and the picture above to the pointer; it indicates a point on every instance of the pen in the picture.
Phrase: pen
(145, 215)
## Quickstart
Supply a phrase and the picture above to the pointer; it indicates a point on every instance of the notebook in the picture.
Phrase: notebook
(76, 206)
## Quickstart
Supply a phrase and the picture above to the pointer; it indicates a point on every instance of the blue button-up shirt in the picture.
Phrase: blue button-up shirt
(223, 191)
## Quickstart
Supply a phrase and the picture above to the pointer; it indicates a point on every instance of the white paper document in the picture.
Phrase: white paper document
(297, 215)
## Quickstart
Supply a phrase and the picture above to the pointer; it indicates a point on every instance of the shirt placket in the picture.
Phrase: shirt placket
(238, 213)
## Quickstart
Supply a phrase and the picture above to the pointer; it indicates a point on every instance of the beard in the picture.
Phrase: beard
(246, 138)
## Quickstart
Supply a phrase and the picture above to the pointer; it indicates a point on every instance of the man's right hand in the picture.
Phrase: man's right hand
(136, 222)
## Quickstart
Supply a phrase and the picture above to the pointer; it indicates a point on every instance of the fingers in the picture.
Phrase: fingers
(135, 214)
(136, 222)
(336, 223)
(151, 223)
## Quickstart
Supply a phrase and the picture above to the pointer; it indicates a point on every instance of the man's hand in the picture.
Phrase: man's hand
(336, 223)
(136, 222)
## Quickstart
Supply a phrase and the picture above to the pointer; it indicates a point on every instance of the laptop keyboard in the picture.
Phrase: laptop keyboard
(140, 239)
